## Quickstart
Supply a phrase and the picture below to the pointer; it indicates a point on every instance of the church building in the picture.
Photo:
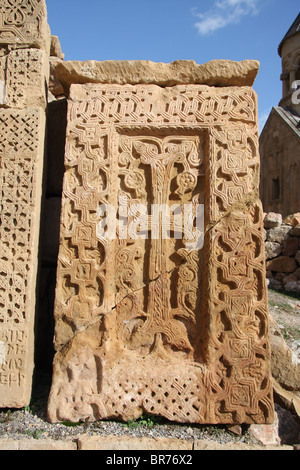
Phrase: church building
(280, 137)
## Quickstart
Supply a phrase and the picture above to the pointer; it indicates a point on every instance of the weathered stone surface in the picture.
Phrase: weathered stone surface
(160, 325)
(126, 443)
(267, 434)
(144, 443)
(275, 284)
(215, 73)
(55, 87)
(23, 23)
(285, 372)
(25, 78)
(283, 264)
(212, 445)
(273, 250)
(297, 273)
(288, 399)
(293, 219)
(21, 166)
(24, 75)
(297, 257)
(289, 278)
(34, 444)
(55, 49)
(272, 220)
(132, 443)
(278, 234)
(295, 232)
(285, 366)
(290, 246)
(292, 286)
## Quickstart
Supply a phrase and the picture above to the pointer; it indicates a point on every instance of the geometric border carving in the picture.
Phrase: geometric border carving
(21, 163)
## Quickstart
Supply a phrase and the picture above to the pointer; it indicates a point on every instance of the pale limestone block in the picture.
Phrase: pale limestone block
(212, 445)
(55, 50)
(34, 444)
(132, 443)
(215, 73)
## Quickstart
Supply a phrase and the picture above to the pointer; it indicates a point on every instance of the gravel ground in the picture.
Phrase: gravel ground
(31, 422)
(24, 424)
(285, 309)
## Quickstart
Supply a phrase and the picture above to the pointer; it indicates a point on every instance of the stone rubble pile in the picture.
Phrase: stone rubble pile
(282, 244)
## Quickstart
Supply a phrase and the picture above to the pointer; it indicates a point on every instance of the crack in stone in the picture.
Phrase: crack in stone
(247, 199)
(245, 202)
(104, 314)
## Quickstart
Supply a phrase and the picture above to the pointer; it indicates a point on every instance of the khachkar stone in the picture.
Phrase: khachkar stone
(23, 80)
(155, 324)
(21, 163)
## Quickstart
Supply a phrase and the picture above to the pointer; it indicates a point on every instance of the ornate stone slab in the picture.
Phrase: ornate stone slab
(21, 163)
(23, 23)
(149, 321)
(24, 71)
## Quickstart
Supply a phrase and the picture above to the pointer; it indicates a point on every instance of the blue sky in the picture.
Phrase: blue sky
(167, 30)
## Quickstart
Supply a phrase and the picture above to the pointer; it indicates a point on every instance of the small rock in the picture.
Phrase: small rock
(272, 220)
(295, 232)
(289, 278)
(280, 276)
(55, 50)
(297, 274)
(290, 246)
(292, 287)
(279, 234)
(189, 431)
(283, 264)
(288, 429)
(276, 285)
(267, 434)
(272, 249)
(293, 219)
(235, 429)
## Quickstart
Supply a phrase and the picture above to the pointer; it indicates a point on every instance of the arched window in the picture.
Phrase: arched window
(298, 73)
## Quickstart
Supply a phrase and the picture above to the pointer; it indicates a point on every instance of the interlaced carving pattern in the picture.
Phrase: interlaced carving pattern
(159, 328)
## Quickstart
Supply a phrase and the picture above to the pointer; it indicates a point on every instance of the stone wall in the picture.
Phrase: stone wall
(282, 246)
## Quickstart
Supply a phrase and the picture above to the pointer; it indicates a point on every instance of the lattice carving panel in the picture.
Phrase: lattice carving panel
(21, 155)
(158, 321)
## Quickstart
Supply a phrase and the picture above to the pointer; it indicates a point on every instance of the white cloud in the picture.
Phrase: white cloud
(223, 13)
(263, 117)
